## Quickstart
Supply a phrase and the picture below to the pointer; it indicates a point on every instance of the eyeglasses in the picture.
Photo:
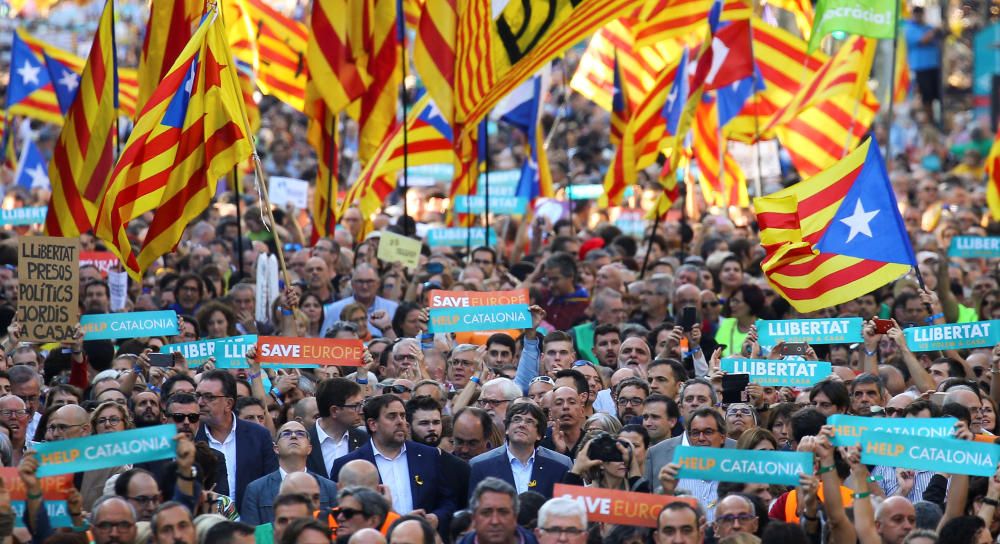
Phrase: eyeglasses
(7, 414)
(710, 304)
(739, 412)
(894, 412)
(729, 519)
(207, 397)
(491, 403)
(290, 434)
(109, 421)
(463, 363)
(347, 513)
(397, 389)
(61, 428)
(568, 531)
(146, 499)
(191, 418)
(108, 526)
(707, 433)
(634, 401)
(354, 406)
(543, 379)
(28, 399)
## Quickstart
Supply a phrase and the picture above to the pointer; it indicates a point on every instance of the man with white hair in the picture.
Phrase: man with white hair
(496, 397)
(558, 517)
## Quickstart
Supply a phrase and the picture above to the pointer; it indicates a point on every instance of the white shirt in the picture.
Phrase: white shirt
(604, 402)
(32, 426)
(331, 447)
(228, 450)
(395, 473)
(522, 471)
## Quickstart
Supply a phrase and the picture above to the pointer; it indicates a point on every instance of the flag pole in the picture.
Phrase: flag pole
(758, 179)
(486, 179)
(649, 246)
(331, 196)
(239, 220)
(401, 34)
(114, 57)
(262, 187)
(892, 91)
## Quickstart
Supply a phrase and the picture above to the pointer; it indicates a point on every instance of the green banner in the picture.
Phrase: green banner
(872, 18)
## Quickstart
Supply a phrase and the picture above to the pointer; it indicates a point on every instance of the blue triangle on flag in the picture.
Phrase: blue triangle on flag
(27, 74)
(65, 81)
(32, 168)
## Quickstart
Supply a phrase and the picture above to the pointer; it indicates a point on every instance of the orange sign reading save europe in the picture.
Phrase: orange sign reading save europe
(618, 507)
(54, 488)
(309, 351)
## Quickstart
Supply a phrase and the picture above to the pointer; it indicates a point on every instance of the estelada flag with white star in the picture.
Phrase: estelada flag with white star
(835, 236)
(65, 81)
(32, 172)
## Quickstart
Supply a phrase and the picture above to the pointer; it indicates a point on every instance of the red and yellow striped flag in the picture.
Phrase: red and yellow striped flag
(191, 132)
(379, 103)
(434, 52)
(168, 30)
(331, 60)
(660, 21)
(902, 84)
(85, 152)
(322, 135)
(993, 178)
(722, 185)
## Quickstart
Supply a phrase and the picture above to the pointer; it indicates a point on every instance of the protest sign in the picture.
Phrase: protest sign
(460, 237)
(129, 325)
(283, 191)
(841, 330)
(394, 248)
(54, 492)
(974, 247)
(618, 507)
(23, 216)
(103, 260)
(978, 334)
(106, 450)
(746, 466)
(502, 183)
(118, 286)
(308, 352)
(592, 191)
(948, 455)
(778, 373)
(458, 311)
(228, 352)
(848, 429)
(500, 205)
(48, 269)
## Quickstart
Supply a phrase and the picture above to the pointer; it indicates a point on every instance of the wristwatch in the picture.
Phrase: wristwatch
(192, 477)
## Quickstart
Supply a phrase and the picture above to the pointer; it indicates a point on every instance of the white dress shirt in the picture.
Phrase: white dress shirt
(395, 473)
(228, 450)
(331, 447)
(522, 471)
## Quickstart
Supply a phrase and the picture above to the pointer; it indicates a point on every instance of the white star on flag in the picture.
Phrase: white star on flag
(719, 54)
(860, 221)
(29, 73)
(69, 80)
(38, 176)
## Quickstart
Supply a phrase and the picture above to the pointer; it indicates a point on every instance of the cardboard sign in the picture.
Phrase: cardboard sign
(394, 248)
(459, 237)
(48, 292)
(54, 492)
(118, 285)
(842, 330)
(978, 334)
(283, 191)
(500, 205)
(618, 507)
(23, 216)
(975, 247)
(458, 311)
(103, 260)
(778, 373)
(947, 455)
(309, 352)
(746, 466)
(106, 450)
(129, 325)
(848, 429)
(228, 352)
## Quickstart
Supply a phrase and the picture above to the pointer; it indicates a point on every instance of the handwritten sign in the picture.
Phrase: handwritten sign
(283, 191)
(129, 325)
(48, 292)
(747, 466)
(228, 352)
(778, 373)
(106, 450)
(848, 429)
(974, 247)
(947, 455)
(309, 352)
(103, 260)
(459, 237)
(618, 507)
(394, 248)
(978, 334)
(841, 330)
(458, 311)
(54, 492)
(23, 216)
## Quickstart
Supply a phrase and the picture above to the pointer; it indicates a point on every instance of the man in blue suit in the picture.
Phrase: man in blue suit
(293, 448)
(522, 462)
(414, 473)
(247, 446)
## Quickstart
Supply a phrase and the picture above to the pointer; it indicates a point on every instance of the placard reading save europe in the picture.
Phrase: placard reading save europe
(459, 311)
(778, 373)
(841, 330)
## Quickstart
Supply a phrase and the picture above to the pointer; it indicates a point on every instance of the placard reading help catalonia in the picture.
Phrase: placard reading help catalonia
(106, 450)
(746, 466)
(778, 373)
(948, 455)
(129, 325)
(978, 334)
(847, 430)
(48, 269)
(460, 311)
(841, 330)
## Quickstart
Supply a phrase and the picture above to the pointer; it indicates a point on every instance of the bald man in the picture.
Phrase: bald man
(894, 519)
(72, 421)
(366, 536)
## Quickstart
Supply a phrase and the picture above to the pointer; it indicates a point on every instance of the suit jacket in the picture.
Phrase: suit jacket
(314, 463)
(255, 455)
(458, 476)
(663, 454)
(258, 501)
(547, 470)
(432, 493)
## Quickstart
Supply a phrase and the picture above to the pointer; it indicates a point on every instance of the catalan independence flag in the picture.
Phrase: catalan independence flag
(434, 52)
(29, 91)
(170, 25)
(382, 40)
(85, 152)
(331, 60)
(191, 132)
(322, 135)
(835, 236)
(993, 178)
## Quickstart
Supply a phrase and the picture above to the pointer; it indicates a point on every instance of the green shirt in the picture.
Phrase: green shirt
(584, 336)
(264, 534)
(729, 335)
(966, 314)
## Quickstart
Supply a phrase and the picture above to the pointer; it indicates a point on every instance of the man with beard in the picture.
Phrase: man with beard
(112, 521)
(630, 395)
(172, 524)
(423, 415)
(470, 433)
(146, 409)
(634, 353)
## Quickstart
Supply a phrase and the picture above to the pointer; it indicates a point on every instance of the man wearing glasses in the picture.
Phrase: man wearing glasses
(365, 282)
(335, 434)
(293, 448)
(14, 413)
(735, 514)
(72, 421)
(562, 521)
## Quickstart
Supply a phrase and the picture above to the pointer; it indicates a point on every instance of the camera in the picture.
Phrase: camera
(605, 448)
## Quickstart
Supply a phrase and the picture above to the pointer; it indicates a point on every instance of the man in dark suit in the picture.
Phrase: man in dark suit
(292, 448)
(414, 473)
(335, 434)
(247, 447)
(423, 414)
(522, 462)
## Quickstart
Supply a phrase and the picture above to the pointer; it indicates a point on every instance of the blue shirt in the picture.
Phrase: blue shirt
(522, 471)
(921, 56)
(331, 313)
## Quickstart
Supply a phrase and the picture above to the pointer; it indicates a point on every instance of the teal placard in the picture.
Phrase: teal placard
(778, 373)
(744, 466)
(459, 237)
(978, 334)
(848, 429)
(480, 318)
(947, 455)
(106, 450)
(24, 216)
(228, 352)
(129, 325)
(974, 246)
(841, 330)
(476, 204)
(502, 183)
(58, 513)
(591, 191)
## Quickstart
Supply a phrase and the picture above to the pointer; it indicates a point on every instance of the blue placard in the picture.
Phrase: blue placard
(778, 373)
(840, 330)
(502, 183)
(591, 191)
(24, 216)
(947, 455)
(744, 466)
(129, 325)
(459, 237)
(58, 513)
(228, 352)
(480, 318)
(974, 246)
(977, 334)
(476, 204)
(847, 430)
(106, 450)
